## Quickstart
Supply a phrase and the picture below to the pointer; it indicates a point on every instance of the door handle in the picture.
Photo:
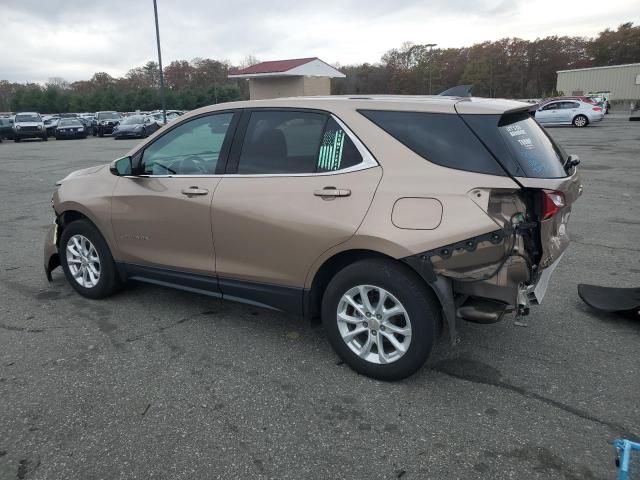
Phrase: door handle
(191, 191)
(332, 192)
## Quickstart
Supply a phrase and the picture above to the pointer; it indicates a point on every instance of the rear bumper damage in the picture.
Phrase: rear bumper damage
(482, 278)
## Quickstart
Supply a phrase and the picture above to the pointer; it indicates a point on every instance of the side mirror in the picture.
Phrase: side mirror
(122, 167)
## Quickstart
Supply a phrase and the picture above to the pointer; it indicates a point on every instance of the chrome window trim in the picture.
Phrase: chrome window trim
(368, 161)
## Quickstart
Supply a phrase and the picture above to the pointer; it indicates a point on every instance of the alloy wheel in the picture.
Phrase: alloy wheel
(83, 261)
(374, 324)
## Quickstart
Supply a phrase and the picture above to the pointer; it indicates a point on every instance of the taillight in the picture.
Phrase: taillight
(552, 202)
(596, 109)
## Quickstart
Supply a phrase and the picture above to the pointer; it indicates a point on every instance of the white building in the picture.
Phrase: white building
(288, 78)
(623, 81)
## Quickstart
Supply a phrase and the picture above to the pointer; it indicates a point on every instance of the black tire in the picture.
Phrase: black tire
(57, 137)
(109, 280)
(410, 290)
(94, 132)
(144, 133)
(17, 140)
(578, 121)
(100, 133)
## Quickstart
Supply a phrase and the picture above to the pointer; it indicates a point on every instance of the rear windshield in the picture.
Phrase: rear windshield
(441, 138)
(521, 145)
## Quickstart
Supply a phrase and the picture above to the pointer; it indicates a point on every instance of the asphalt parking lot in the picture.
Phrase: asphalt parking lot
(157, 383)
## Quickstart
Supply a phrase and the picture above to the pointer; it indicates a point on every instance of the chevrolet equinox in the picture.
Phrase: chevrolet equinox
(389, 218)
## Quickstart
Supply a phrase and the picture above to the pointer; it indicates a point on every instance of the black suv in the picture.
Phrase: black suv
(105, 123)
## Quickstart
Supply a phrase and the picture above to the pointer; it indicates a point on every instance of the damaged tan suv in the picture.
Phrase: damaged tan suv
(388, 218)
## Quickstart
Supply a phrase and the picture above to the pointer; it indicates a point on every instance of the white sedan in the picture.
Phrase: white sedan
(569, 112)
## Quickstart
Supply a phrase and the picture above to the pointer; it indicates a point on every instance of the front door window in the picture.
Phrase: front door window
(192, 148)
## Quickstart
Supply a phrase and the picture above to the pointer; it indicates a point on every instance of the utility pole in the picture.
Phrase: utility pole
(164, 108)
(430, 45)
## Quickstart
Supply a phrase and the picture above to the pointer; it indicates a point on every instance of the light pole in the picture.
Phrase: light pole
(430, 45)
(164, 109)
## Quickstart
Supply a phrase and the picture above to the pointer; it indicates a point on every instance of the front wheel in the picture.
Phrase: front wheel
(380, 318)
(580, 121)
(86, 260)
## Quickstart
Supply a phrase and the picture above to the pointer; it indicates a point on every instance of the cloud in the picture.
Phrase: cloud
(74, 39)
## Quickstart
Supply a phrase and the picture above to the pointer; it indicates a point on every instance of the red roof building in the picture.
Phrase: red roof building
(288, 78)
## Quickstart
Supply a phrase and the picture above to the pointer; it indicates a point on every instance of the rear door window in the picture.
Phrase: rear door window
(441, 138)
(278, 142)
(295, 142)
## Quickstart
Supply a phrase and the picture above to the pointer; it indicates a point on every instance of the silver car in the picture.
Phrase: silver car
(569, 112)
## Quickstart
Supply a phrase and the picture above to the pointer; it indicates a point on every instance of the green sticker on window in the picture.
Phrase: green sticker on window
(330, 156)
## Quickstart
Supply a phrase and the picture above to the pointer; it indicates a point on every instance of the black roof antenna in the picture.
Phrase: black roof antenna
(458, 91)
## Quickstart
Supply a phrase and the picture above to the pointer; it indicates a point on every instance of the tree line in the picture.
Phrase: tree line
(510, 68)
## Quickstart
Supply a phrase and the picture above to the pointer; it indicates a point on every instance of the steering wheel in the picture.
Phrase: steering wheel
(192, 164)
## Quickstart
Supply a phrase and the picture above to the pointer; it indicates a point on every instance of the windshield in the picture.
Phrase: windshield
(29, 117)
(108, 116)
(134, 120)
(69, 122)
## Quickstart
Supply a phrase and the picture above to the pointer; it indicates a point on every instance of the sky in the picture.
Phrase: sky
(74, 39)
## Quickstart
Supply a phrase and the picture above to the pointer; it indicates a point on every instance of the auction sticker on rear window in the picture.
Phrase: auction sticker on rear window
(532, 148)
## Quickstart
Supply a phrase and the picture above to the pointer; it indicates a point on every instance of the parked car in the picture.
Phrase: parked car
(105, 122)
(6, 128)
(28, 125)
(70, 128)
(139, 126)
(159, 117)
(387, 217)
(86, 122)
(50, 124)
(569, 112)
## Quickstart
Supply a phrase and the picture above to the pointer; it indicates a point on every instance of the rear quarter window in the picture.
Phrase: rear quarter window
(441, 138)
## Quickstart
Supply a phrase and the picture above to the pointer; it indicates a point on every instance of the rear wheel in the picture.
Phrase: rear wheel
(580, 121)
(87, 261)
(17, 140)
(380, 318)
